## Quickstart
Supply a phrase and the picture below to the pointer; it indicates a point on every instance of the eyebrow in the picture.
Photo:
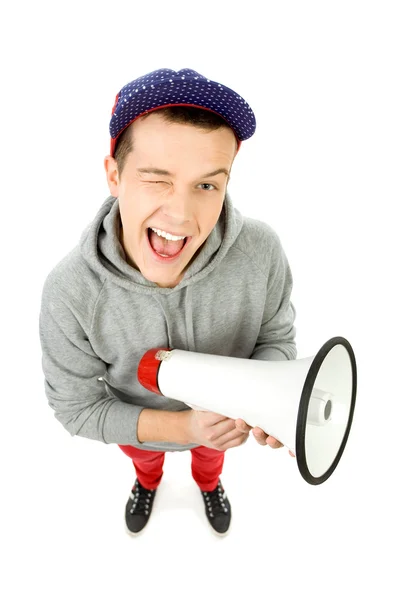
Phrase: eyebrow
(156, 171)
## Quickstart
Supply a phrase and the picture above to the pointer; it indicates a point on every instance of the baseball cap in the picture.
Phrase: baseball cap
(166, 87)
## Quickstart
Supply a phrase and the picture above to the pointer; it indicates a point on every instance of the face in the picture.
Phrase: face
(174, 180)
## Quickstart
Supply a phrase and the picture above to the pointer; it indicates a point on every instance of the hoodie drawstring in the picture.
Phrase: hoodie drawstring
(189, 319)
(188, 303)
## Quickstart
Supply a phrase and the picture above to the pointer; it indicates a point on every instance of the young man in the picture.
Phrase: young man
(167, 261)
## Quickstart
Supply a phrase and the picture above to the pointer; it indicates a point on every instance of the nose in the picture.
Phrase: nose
(177, 208)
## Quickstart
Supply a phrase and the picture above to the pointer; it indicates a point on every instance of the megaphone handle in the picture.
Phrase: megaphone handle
(194, 407)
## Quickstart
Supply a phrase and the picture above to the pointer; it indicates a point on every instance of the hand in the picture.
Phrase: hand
(215, 431)
(260, 436)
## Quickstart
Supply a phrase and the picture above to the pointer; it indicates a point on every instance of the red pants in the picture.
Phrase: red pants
(206, 466)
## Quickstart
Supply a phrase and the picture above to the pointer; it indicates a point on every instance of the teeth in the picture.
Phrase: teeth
(167, 236)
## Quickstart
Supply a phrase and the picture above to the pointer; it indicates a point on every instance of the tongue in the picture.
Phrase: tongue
(163, 246)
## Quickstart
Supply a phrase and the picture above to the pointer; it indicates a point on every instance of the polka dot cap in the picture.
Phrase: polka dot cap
(186, 87)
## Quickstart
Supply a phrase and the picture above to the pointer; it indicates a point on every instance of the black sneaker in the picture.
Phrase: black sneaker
(138, 508)
(218, 509)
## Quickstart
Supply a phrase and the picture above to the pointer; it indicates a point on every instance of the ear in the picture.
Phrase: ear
(111, 168)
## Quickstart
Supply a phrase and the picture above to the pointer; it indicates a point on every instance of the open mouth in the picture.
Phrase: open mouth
(165, 250)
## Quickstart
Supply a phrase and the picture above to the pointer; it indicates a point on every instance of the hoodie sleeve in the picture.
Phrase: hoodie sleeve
(276, 340)
(72, 371)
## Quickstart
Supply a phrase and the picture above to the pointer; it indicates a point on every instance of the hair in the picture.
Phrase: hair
(203, 119)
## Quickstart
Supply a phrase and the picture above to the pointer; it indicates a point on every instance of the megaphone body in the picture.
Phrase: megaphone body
(307, 404)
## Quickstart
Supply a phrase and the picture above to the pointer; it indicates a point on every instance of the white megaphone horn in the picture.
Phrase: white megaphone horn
(307, 404)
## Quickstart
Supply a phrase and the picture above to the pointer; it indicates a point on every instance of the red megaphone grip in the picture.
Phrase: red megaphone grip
(147, 372)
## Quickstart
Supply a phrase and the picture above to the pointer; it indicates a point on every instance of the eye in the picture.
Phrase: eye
(209, 184)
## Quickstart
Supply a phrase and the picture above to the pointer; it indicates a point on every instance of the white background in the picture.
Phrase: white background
(323, 170)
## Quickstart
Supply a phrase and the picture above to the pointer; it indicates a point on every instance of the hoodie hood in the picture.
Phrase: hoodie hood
(99, 316)
(102, 250)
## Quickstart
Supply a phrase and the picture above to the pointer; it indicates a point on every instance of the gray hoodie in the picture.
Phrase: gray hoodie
(99, 315)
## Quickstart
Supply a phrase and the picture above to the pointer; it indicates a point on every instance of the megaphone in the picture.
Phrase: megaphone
(307, 404)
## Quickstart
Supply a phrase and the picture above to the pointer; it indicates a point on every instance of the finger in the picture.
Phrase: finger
(230, 439)
(221, 429)
(238, 441)
(214, 418)
(273, 442)
(260, 436)
(242, 426)
(259, 432)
